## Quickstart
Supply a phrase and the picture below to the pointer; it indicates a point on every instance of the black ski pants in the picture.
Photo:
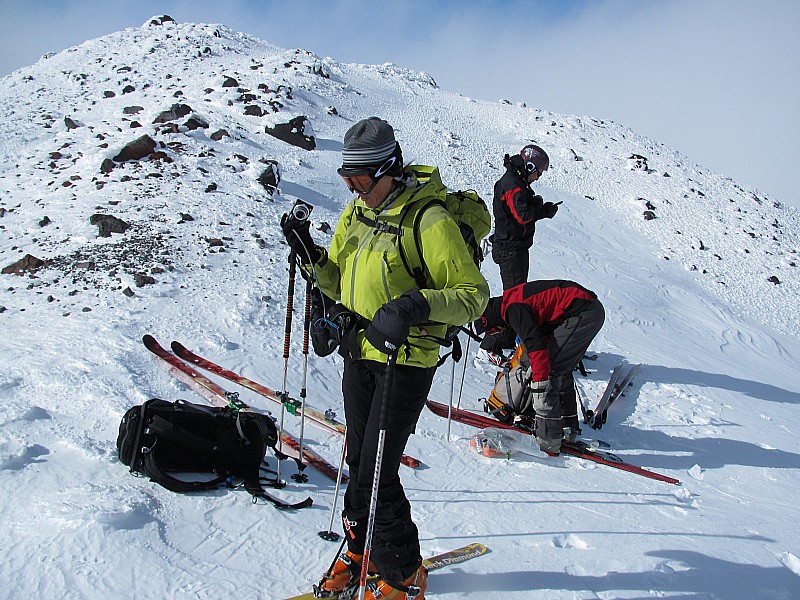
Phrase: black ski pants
(395, 547)
(513, 262)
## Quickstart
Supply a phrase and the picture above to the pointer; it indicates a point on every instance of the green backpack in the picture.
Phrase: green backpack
(467, 209)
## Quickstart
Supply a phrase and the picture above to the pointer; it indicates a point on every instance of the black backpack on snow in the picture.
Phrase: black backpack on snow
(160, 438)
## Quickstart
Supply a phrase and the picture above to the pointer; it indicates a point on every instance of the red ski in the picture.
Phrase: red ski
(217, 395)
(579, 450)
(326, 420)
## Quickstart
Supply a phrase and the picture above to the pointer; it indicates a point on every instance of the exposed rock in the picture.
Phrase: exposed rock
(230, 82)
(108, 224)
(142, 280)
(108, 94)
(175, 112)
(45, 221)
(70, 123)
(185, 217)
(271, 176)
(132, 110)
(128, 89)
(649, 215)
(637, 162)
(26, 264)
(128, 292)
(212, 187)
(137, 149)
(219, 134)
(774, 279)
(294, 132)
(214, 242)
(253, 110)
(196, 122)
(107, 166)
(168, 128)
(158, 21)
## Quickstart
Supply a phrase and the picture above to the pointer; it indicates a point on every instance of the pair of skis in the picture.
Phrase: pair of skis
(617, 384)
(326, 420)
(216, 394)
(453, 557)
(220, 397)
(578, 449)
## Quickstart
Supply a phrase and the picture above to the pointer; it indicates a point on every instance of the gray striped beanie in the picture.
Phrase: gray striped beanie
(368, 143)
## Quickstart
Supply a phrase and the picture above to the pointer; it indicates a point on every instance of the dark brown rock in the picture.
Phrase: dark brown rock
(108, 224)
(176, 111)
(137, 149)
(27, 264)
(293, 133)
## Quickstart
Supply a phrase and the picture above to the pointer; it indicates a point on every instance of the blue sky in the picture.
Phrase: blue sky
(718, 80)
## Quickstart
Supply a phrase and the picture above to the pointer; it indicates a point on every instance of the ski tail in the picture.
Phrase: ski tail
(579, 450)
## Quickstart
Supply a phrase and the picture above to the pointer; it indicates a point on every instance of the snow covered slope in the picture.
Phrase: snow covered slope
(704, 295)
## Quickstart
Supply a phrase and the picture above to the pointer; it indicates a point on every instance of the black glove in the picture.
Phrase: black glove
(390, 325)
(549, 210)
(497, 342)
(299, 239)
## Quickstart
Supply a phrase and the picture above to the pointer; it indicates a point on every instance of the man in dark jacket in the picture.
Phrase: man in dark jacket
(556, 321)
(516, 209)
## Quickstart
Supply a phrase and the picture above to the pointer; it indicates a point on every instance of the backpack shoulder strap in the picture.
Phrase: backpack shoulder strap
(414, 261)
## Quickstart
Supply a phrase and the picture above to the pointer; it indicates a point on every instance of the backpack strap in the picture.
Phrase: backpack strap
(136, 459)
(418, 270)
(174, 484)
(379, 225)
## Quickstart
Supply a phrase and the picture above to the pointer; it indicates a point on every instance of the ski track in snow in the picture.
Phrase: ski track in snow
(713, 404)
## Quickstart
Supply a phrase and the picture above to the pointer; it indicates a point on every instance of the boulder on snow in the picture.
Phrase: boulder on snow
(637, 162)
(175, 112)
(271, 176)
(158, 21)
(195, 122)
(108, 224)
(106, 166)
(294, 133)
(137, 149)
(26, 264)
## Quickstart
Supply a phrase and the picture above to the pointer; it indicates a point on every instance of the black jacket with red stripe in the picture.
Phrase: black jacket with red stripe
(516, 209)
(534, 310)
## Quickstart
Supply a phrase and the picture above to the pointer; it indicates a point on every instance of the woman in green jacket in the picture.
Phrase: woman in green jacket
(364, 270)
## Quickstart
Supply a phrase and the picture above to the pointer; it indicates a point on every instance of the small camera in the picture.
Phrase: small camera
(301, 210)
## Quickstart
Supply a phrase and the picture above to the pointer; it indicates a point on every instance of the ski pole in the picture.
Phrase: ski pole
(302, 477)
(388, 384)
(450, 402)
(463, 374)
(287, 335)
(330, 535)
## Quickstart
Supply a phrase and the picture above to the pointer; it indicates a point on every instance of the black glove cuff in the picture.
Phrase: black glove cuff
(420, 310)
